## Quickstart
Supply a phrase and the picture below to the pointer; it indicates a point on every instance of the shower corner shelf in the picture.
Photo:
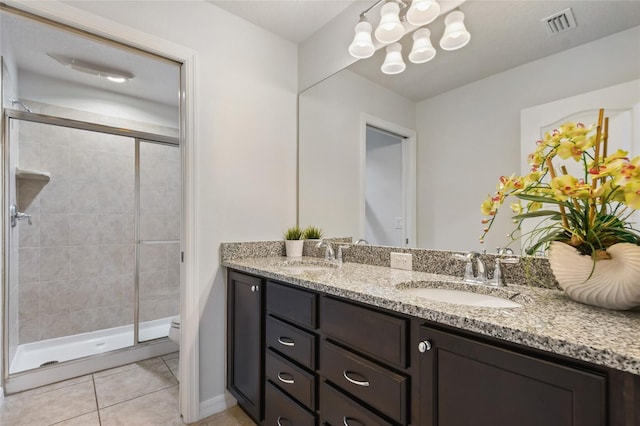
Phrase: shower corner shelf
(33, 175)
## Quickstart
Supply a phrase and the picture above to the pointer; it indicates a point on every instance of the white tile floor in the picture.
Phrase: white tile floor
(139, 394)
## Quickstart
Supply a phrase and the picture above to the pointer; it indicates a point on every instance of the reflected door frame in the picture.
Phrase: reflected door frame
(409, 155)
(618, 99)
(189, 291)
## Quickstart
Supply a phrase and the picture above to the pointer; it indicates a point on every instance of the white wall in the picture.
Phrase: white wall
(470, 136)
(331, 151)
(246, 148)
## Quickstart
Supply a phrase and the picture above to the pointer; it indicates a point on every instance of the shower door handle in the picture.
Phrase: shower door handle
(16, 216)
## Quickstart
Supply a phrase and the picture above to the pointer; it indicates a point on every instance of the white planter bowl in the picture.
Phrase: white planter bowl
(614, 283)
(294, 247)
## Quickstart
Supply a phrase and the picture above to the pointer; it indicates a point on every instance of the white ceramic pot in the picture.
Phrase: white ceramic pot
(614, 283)
(294, 247)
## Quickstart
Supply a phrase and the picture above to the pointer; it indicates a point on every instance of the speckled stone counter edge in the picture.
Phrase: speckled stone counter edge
(548, 319)
(531, 271)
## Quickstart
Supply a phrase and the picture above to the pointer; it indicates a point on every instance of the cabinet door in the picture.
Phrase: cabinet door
(464, 382)
(245, 341)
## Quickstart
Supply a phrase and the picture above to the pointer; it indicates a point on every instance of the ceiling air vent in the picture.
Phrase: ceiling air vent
(559, 22)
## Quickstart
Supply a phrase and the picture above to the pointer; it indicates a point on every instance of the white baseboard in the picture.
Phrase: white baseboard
(216, 404)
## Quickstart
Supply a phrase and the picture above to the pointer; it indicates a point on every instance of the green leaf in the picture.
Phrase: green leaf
(542, 199)
(539, 213)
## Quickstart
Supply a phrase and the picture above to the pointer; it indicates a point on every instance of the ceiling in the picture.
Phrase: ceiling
(155, 79)
(504, 34)
(294, 20)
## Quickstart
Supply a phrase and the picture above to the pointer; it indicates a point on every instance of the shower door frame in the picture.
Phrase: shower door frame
(64, 15)
(137, 137)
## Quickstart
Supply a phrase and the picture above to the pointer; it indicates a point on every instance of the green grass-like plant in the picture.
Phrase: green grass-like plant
(293, 233)
(312, 233)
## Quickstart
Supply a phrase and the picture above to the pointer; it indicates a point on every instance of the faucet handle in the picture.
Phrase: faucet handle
(468, 267)
(339, 255)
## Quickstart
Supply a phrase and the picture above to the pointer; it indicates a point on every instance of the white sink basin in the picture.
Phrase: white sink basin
(299, 267)
(460, 297)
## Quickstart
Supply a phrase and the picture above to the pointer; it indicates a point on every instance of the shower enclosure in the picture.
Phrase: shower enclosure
(91, 201)
(93, 239)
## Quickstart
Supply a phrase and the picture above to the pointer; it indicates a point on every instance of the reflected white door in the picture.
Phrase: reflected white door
(622, 105)
(384, 216)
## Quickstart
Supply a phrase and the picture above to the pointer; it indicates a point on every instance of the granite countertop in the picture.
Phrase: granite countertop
(547, 319)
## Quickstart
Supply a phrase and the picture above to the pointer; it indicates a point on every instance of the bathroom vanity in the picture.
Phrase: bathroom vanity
(346, 346)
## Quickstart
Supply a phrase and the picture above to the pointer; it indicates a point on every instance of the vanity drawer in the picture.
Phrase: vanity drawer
(375, 333)
(376, 386)
(291, 341)
(292, 304)
(291, 379)
(280, 410)
(339, 410)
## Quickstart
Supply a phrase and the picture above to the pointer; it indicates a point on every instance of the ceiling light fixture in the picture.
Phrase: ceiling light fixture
(111, 74)
(401, 17)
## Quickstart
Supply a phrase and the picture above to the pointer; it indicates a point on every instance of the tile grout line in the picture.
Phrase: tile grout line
(169, 368)
(137, 397)
(95, 394)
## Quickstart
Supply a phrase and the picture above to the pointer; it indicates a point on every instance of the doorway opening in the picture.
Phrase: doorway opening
(388, 184)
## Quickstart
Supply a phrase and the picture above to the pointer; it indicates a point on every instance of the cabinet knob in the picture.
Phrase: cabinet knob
(424, 346)
(279, 420)
(254, 288)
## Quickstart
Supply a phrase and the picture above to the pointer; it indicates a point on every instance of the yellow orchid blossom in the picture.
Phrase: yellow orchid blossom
(632, 195)
(587, 211)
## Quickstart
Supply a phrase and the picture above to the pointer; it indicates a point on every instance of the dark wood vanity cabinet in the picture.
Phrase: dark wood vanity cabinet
(363, 364)
(464, 382)
(245, 342)
(297, 357)
(290, 356)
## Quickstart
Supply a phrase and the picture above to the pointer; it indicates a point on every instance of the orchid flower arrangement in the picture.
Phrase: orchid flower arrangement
(590, 212)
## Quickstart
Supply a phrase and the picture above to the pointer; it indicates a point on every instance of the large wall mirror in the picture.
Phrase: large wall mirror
(463, 110)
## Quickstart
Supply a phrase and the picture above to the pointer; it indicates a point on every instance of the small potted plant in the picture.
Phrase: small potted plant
(293, 241)
(312, 233)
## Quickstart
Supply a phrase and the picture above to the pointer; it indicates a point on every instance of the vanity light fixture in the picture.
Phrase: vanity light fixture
(111, 74)
(400, 17)
(390, 28)
(455, 34)
(393, 63)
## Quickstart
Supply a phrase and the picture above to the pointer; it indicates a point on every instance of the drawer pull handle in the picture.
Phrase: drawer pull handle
(355, 382)
(278, 421)
(283, 380)
(287, 341)
(345, 421)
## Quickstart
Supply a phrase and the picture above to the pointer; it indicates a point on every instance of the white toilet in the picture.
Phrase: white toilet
(174, 330)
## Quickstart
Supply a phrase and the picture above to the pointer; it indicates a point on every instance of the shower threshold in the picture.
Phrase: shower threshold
(53, 351)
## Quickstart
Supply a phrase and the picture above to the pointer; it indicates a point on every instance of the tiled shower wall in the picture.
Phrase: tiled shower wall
(76, 262)
(159, 275)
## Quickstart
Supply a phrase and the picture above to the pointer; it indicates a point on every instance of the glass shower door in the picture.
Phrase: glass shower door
(159, 238)
(75, 255)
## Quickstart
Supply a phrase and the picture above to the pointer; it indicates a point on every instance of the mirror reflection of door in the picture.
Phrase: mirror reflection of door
(621, 103)
(384, 200)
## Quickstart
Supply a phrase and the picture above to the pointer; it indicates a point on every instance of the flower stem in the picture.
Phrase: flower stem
(563, 214)
(596, 160)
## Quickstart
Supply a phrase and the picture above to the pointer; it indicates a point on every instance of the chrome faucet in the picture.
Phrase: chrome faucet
(480, 277)
(328, 254)
(361, 241)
